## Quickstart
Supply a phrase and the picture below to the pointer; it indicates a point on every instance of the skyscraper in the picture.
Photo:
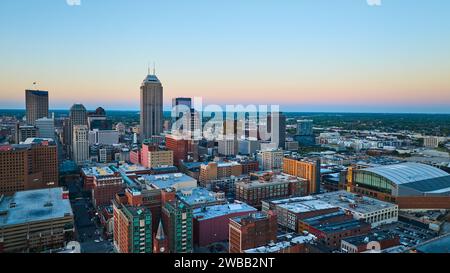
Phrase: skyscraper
(277, 127)
(77, 116)
(36, 105)
(151, 107)
(80, 144)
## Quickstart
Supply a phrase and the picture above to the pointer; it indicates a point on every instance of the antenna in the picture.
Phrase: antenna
(154, 68)
(148, 68)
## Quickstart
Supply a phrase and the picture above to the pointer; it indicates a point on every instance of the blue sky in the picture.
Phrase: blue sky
(335, 55)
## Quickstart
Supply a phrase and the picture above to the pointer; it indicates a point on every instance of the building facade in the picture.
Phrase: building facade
(36, 105)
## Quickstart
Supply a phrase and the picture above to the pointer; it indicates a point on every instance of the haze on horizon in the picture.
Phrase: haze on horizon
(307, 56)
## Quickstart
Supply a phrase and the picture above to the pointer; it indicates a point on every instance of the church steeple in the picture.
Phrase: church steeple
(160, 242)
(160, 233)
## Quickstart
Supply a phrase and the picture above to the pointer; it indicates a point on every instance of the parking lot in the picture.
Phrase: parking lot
(410, 235)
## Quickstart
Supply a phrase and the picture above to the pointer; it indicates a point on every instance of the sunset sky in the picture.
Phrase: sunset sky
(306, 55)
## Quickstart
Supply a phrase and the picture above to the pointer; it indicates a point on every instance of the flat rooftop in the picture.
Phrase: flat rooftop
(97, 171)
(196, 196)
(340, 199)
(284, 241)
(306, 206)
(222, 210)
(169, 180)
(257, 216)
(352, 202)
(34, 206)
(130, 168)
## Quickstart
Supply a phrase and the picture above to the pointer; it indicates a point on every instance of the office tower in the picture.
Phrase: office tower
(132, 228)
(182, 101)
(80, 144)
(77, 116)
(151, 118)
(46, 127)
(24, 132)
(31, 165)
(160, 241)
(248, 146)
(103, 137)
(227, 146)
(35, 221)
(177, 218)
(305, 127)
(270, 159)
(254, 230)
(36, 105)
(277, 127)
(98, 120)
(308, 169)
(179, 146)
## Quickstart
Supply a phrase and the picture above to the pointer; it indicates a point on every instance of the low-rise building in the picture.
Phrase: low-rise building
(35, 220)
(211, 222)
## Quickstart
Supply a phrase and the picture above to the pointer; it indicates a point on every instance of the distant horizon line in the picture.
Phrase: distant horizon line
(318, 112)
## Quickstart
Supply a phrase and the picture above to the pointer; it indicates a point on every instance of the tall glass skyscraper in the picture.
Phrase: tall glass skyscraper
(151, 107)
(36, 105)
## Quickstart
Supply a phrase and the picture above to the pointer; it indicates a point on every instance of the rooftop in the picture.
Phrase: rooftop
(306, 206)
(221, 210)
(130, 168)
(151, 79)
(98, 171)
(258, 215)
(170, 180)
(34, 206)
(353, 202)
(197, 196)
(340, 199)
(284, 241)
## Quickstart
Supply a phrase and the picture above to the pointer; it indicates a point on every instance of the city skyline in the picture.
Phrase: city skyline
(306, 56)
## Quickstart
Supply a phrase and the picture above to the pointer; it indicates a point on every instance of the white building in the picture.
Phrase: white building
(227, 146)
(103, 137)
(431, 142)
(80, 144)
(270, 159)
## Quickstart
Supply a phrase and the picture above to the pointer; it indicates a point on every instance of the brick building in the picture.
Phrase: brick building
(27, 166)
(251, 231)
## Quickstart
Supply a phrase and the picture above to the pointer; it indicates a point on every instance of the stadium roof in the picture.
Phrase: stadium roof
(407, 172)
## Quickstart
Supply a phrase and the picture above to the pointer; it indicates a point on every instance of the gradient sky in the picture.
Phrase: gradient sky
(306, 55)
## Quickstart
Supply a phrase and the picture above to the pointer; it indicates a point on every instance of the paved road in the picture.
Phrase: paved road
(88, 229)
